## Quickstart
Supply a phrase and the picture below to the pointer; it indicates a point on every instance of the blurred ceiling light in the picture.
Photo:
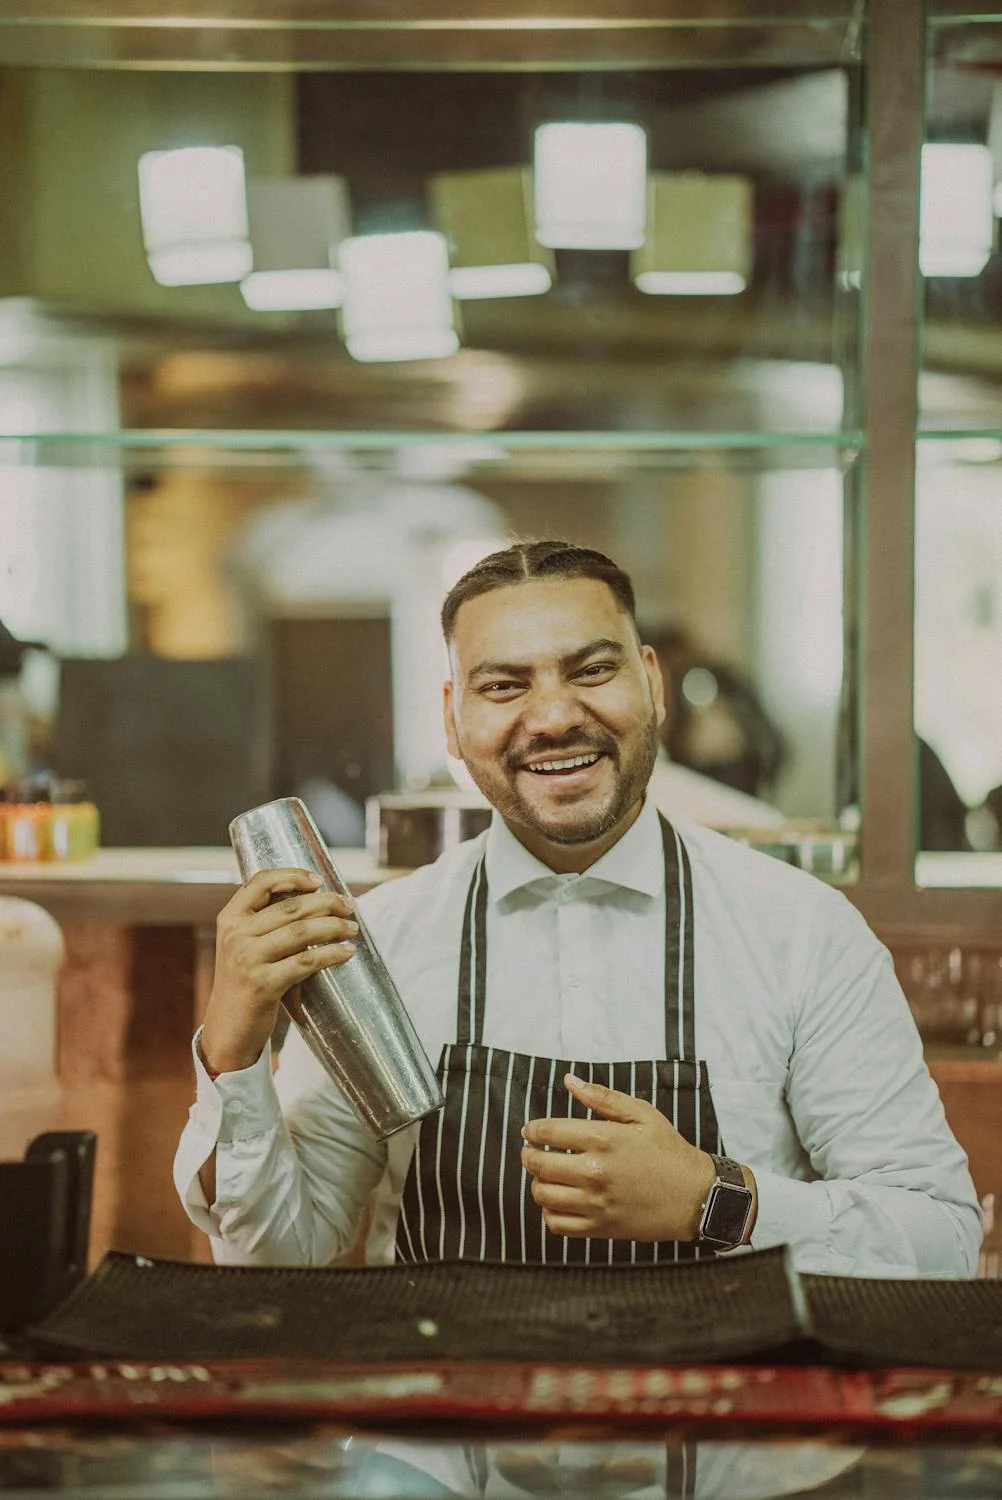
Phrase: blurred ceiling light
(590, 186)
(690, 283)
(472, 283)
(486, 218)
(957, 224)
(296, 225)
(193, 204)
(699, 234)
(397, 303)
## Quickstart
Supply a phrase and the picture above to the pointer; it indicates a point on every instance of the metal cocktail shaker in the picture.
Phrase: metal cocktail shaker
(351, 1016)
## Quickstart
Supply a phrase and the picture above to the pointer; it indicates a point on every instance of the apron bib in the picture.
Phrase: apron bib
(467, 1195)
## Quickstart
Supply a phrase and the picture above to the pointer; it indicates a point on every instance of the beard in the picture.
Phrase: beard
(631, 763)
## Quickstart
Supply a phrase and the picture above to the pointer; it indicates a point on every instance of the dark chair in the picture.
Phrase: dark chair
(45, 1225)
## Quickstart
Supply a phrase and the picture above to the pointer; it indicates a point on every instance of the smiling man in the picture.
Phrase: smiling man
(654, 1043)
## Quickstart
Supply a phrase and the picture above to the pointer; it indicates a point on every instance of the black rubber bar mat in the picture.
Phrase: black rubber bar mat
(747, 1307)
(953, 1325)
(134, 1308)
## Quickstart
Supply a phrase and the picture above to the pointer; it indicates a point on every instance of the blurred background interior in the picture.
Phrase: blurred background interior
(229, 506)
(300, 315)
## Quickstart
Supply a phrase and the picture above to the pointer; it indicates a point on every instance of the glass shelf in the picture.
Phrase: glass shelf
(433, 455)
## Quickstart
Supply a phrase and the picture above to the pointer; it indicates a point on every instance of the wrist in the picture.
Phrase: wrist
(220, 1055)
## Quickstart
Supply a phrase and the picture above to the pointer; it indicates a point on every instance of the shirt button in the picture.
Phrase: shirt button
(235, 1107)
(573, 981)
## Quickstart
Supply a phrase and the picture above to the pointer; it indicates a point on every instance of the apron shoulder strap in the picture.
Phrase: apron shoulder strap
(473, 961)
(680, 994)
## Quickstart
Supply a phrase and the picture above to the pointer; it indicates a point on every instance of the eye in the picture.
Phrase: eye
(597, 671)
(499, 689)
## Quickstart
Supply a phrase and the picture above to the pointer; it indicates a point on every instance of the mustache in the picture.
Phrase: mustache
(515, 757)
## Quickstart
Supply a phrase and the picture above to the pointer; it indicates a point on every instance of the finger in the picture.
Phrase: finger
(296, 908)
(292, 971)
(571, 1226)
(259, 890)
(558, 1166)
(564, 1135)
(554, 1198)
(609, 1103)
(309, 933)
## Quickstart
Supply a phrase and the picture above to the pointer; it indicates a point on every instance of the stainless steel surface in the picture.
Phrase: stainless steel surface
(407, 829)
(352, 1016)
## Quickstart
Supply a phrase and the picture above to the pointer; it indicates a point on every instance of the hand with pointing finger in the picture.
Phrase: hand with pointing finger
(275, 932)
(628, 1175)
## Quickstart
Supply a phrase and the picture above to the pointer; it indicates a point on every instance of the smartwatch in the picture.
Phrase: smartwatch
(723, 1217)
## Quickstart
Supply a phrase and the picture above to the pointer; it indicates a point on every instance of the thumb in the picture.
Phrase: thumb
(609, 1103)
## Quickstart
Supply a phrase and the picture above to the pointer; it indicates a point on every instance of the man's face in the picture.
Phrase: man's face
(554, 708)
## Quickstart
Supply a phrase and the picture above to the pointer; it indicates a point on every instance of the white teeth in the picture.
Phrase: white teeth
(570, 764)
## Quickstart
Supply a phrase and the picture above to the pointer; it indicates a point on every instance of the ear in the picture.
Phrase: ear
(656, 680)
(448, 713)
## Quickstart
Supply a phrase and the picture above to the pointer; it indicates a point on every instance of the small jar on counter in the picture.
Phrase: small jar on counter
(74, 822)
(25, 814)
(47, 819)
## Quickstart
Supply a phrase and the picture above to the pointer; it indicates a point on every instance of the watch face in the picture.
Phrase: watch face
(726, 1214)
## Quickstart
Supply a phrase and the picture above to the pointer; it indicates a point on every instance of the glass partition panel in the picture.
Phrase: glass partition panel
(295, 318)
(961, 201)
(958, 658)
(958, 608)
(218, 635)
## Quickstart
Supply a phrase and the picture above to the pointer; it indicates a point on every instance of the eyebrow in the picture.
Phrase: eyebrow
(572, 659)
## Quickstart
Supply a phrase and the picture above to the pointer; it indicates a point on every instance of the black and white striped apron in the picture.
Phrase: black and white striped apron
(467, 1195)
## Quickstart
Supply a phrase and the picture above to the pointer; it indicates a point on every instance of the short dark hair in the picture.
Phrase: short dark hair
(523, 562)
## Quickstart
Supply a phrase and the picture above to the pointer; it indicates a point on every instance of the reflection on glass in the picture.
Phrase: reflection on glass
(959, 250)
(699, 236)
(958, 645)
(740, 180)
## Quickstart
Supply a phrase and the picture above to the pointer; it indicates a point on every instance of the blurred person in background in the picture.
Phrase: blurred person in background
(720, 751)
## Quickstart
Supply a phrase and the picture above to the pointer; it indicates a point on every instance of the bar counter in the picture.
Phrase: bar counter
(144, 887)
(99, 1432)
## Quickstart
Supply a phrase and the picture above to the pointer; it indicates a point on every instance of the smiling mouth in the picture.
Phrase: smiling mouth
(563, 765)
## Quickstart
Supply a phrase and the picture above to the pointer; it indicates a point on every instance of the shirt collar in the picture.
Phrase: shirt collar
(635, 861)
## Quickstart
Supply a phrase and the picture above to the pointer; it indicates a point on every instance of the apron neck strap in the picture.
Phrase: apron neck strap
(679, 988)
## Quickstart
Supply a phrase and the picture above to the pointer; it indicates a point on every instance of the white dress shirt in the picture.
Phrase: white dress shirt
(815, 1066)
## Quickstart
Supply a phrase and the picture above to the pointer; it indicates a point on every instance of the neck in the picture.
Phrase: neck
(572, 859)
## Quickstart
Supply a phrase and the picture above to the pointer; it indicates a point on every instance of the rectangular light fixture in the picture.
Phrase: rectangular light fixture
(590, 186)
(690, 283)
(193, 204)
(525, 279)
(957, 221)
(699, 236)
(486, 218)
(296, 225)
(397, 304)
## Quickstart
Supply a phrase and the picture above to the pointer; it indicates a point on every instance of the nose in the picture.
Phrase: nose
(553, 709)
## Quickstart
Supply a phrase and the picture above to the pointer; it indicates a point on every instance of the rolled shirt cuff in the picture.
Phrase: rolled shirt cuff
(791, 1213)
(229, 1108)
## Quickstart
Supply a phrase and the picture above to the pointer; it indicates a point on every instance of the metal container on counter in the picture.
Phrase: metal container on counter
(351, 1016)
(407, 829)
